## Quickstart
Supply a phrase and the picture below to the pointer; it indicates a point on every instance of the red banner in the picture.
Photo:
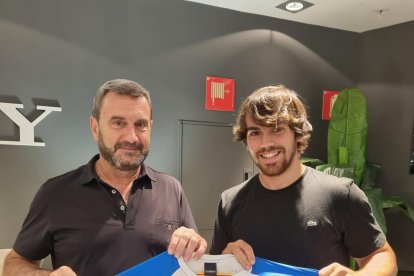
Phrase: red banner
(329, 98)
(219, 94)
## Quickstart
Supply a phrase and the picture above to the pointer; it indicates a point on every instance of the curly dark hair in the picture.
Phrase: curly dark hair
(271, 106)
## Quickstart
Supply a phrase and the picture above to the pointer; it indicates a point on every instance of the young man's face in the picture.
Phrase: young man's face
(123, 130)
(272, 150)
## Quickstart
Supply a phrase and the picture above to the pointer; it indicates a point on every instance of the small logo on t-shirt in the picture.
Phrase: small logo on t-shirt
(311, 223)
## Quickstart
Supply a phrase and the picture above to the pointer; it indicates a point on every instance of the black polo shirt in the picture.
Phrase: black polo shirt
(85, 224)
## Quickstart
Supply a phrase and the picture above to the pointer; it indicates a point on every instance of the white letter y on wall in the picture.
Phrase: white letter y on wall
(26, 127)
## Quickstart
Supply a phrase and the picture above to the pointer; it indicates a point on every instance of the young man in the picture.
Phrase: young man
(291, 213)
(113, 212)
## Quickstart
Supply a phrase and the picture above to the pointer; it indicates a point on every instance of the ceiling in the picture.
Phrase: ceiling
(350, 15)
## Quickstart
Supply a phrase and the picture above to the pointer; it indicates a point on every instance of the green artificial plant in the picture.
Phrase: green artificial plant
(347, 135)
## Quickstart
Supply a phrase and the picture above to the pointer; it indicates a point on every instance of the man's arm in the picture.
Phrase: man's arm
(381, 262)
(15, 265)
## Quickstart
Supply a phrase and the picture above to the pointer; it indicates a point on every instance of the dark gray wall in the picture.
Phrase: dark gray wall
(63, 50)
(387, 80)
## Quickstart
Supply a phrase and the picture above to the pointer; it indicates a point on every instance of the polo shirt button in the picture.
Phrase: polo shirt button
(169, 227)
(114, 191)
(122, 208)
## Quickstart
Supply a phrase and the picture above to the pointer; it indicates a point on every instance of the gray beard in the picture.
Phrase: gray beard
(109, 155)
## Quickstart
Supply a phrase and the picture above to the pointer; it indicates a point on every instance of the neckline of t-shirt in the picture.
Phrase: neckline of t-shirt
(282, 190)
(229, 259)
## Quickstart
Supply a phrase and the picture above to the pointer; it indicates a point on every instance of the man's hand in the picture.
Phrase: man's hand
(336, 269)
(187, 243)
(242, 251)
(63, 271)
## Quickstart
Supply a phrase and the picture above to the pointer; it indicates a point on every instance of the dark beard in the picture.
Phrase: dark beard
(276, 169)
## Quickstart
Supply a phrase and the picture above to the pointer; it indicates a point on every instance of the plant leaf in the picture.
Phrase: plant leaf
(337, 170)
(396, 201)
(370, 175)
(311, 162)
(348, 129)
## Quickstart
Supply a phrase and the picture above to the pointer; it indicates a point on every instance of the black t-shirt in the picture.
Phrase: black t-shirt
(86, 225)
(317, 220)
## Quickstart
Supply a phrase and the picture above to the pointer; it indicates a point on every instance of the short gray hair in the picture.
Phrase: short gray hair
(121, 87)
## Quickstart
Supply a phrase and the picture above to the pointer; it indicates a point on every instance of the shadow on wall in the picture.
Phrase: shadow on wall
(140, 36)
(267, 47)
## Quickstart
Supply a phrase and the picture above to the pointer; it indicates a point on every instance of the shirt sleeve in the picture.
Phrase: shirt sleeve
(34, 241)
(362, 234)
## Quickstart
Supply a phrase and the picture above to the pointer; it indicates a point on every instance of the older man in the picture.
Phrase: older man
(113, 212)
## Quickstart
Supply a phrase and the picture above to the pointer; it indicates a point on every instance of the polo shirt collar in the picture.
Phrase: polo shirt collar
(89, 173)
